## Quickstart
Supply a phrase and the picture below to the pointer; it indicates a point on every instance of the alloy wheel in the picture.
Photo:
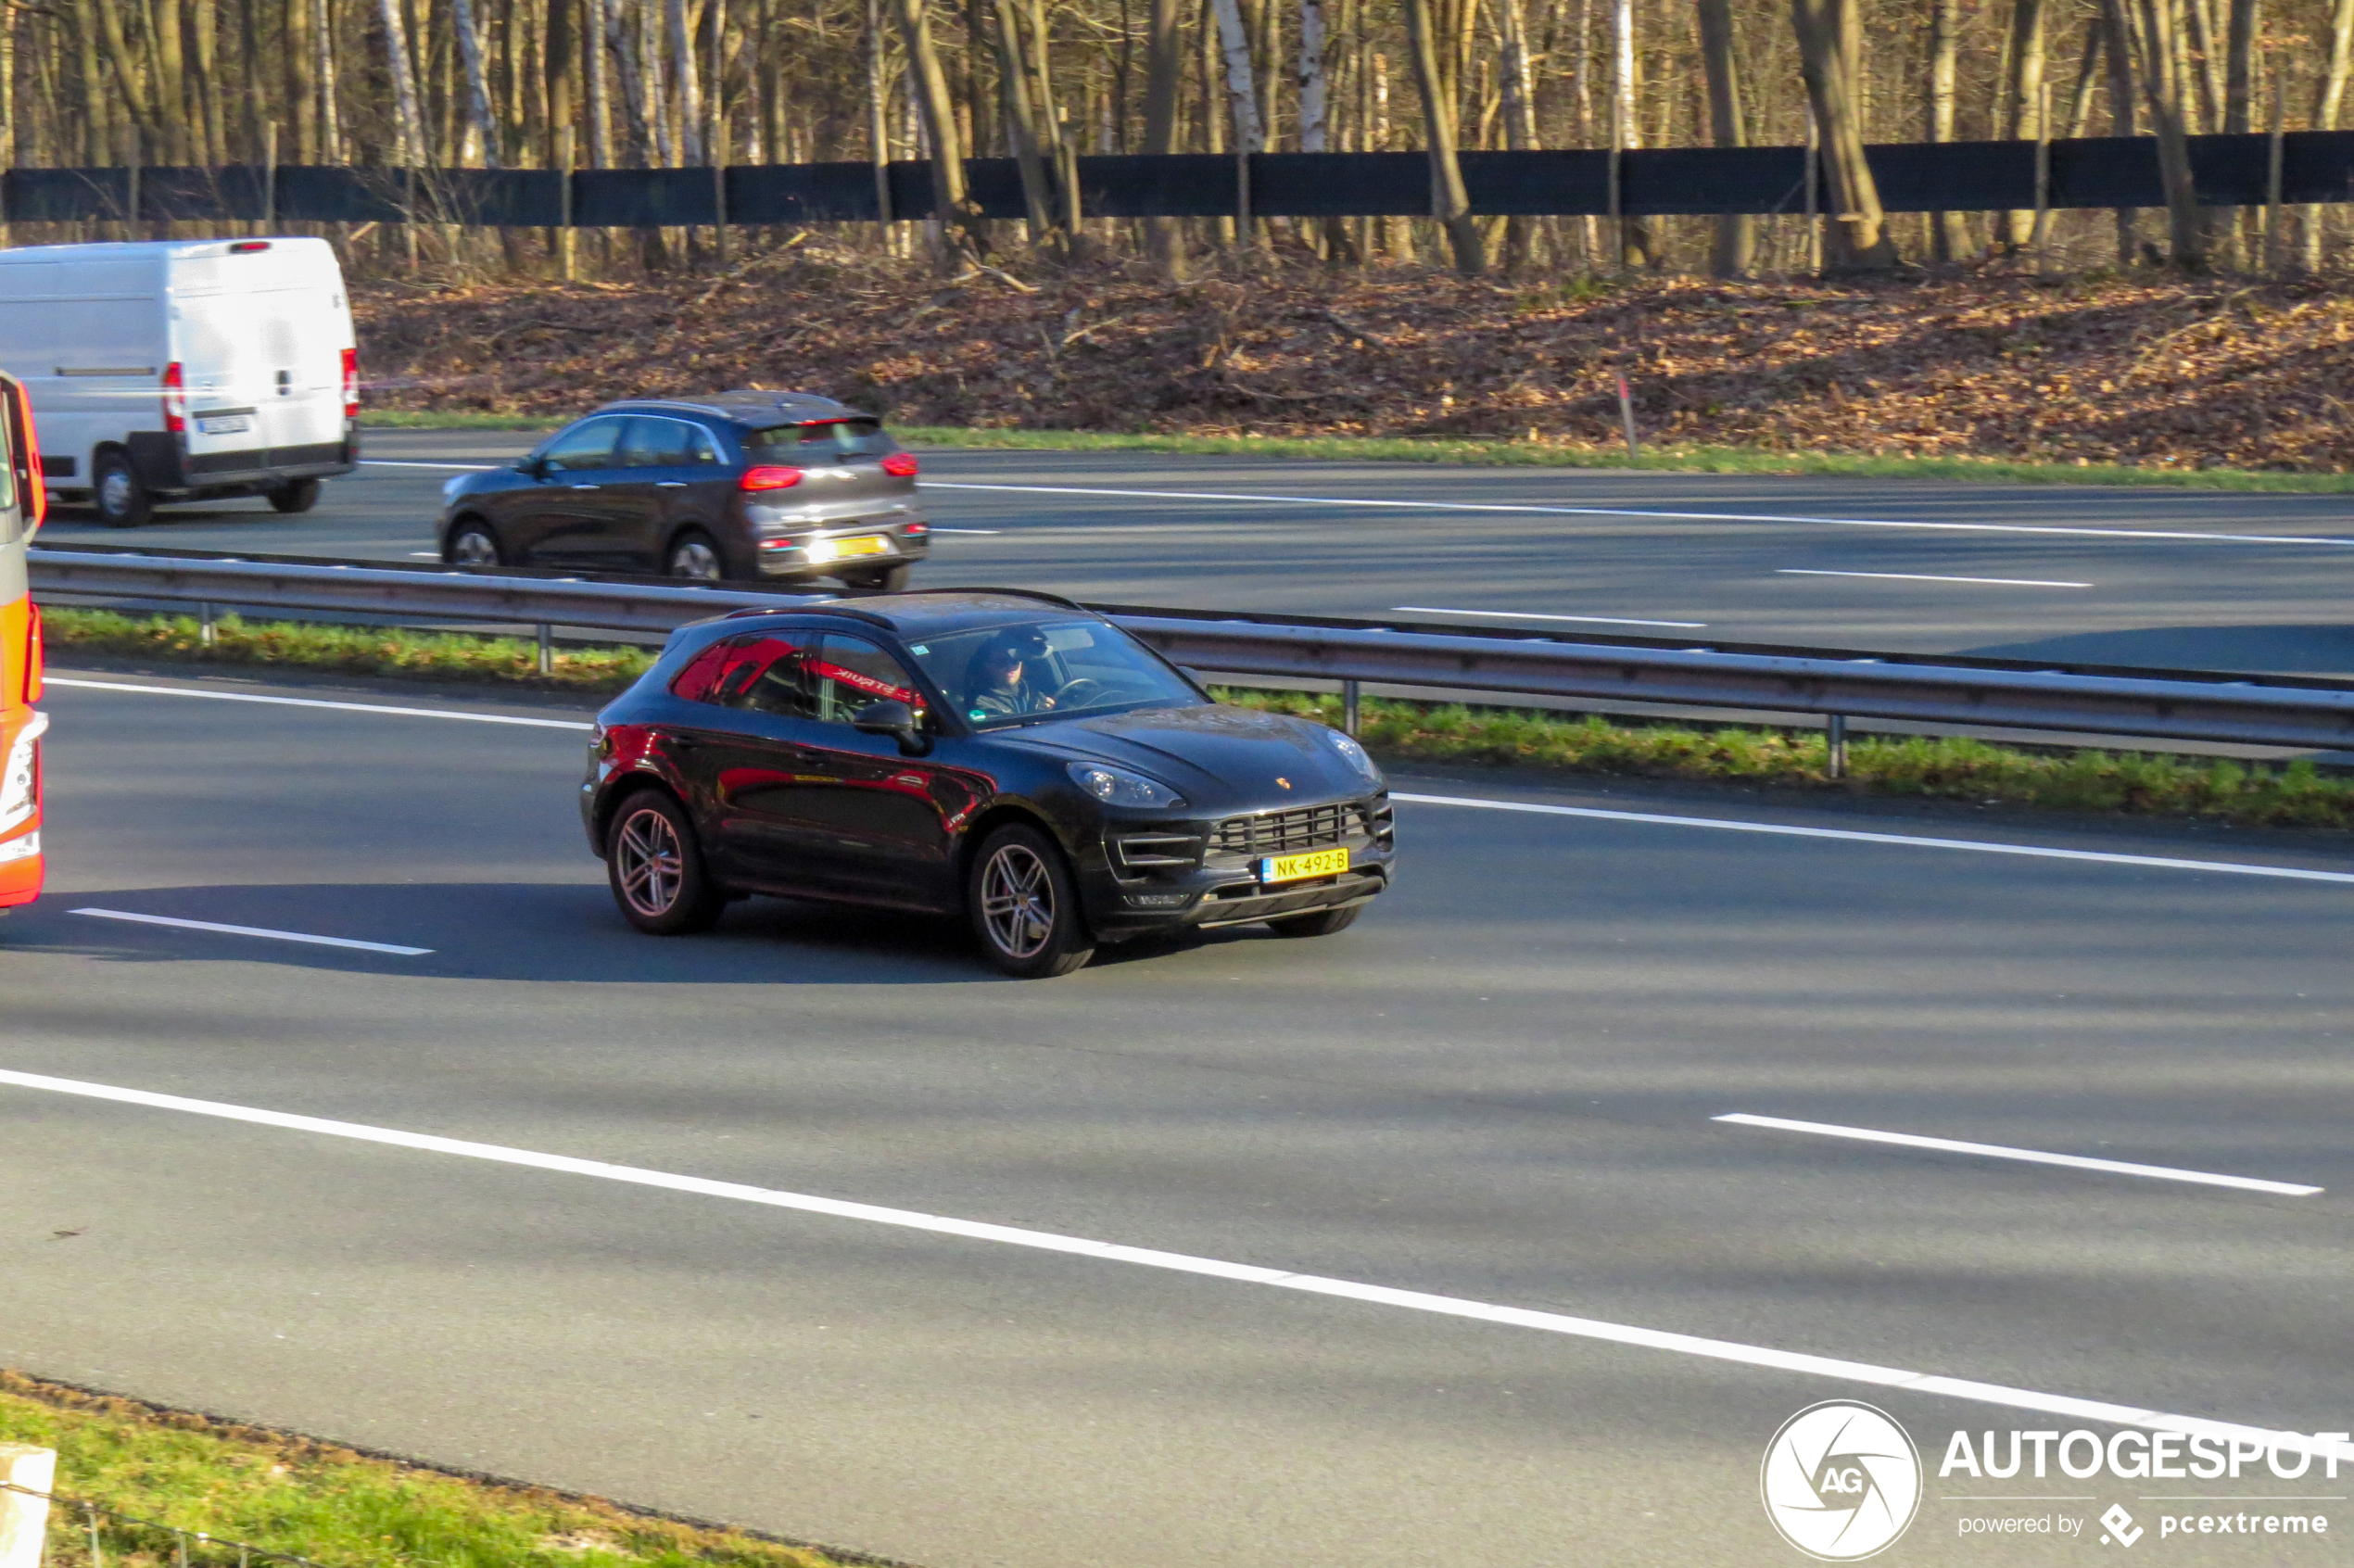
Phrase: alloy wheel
(695, 559)
(651, 865)
(114, 493)
(1017, 901)
(474, 548)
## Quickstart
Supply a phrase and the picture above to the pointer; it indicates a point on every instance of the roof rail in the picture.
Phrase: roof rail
(823, 607)
(1010, 593)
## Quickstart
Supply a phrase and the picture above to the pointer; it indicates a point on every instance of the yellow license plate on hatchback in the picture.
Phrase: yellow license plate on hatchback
(1292, 868)
(867, 544)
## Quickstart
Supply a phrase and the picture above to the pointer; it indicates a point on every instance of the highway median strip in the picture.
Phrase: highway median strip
(2293, 794)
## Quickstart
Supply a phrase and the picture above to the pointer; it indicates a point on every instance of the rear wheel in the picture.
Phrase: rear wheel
(295, 495)
(472, 543)
(1322, 922)
(693, 555)
(880, 579)
(115, 490)
(1025, 907)
(655, 864)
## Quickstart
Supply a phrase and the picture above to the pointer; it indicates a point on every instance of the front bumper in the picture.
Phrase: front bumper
(1217, 887)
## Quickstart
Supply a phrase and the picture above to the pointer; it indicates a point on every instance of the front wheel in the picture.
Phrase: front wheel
(655, 864)
(1323, 922)
(294, 495)
(115, 490)
(473, 544)
(1025, 907)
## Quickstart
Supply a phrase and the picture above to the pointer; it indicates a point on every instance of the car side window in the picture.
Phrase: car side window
(762, 672)
(847, 673)
(700, 448)
(659, 443)
(588, 444)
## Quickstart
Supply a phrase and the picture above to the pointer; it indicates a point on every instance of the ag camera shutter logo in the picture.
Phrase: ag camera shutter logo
(1840, 1481)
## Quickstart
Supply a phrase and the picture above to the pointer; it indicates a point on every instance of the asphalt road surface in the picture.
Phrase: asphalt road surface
(2191, 579)
(1445, 1189)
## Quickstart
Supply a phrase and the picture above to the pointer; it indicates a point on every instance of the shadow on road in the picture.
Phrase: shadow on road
(2258, 649)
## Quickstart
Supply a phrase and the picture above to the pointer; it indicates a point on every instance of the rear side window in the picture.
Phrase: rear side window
(847, 673)
(760, 673)
(819, 442)
(667, 443)
(588, 444)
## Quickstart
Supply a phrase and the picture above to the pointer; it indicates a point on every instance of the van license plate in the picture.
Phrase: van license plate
(1292, 868)
(224, 425)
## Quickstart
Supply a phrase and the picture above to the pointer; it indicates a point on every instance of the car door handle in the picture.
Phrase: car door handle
(670, 485)
(588, 486)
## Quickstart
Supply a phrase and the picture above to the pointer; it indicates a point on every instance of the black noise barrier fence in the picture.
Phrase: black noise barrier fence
(2316, 166)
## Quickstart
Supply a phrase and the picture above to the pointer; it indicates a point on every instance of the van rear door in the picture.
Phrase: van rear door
(262, 333)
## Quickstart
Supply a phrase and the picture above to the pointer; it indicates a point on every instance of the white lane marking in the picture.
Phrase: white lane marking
(1924, 578)
(1655, 514)
(390, 463)
(2032, 1156)
(1852, 835)
(253, 931)
(424, 555)
(1797, 1361)
(1528, 615)
(939, 530)
(315, 702)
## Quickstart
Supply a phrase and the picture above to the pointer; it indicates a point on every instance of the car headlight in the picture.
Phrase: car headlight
(1354, 755)
(1117, 786)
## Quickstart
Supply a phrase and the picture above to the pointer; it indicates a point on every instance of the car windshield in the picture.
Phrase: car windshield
(1050, 669)
(821, 442)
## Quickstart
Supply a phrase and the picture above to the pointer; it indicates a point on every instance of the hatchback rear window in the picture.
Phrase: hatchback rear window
(819, 441)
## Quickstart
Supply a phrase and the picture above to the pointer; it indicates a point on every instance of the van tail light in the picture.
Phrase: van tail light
(351, 384)
(778, 478)
(900, 465)
(32, 658)
(175, 400)
(24, 456)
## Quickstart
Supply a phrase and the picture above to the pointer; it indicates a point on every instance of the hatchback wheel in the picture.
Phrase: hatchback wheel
(473, 545)
(656, 868)
(882, 579)
(1025, 907)
(122, 500)
(694, 556)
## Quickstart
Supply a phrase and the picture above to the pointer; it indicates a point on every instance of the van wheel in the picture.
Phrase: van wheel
(295, 495)
(115, 490)
(1025, 906)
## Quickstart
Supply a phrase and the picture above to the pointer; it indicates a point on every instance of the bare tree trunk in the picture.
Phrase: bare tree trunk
(1242, 90)
(690, 94)
(952, 207)
(2119, 53)
(637, 93)
(1733, 253)
(331, 148)
(1517, 88)
(1164, 77)
(1949, 231)
(1859, 239)
(1313, 110)
(597, 95)
(1451, 204)
(1037, 199)
(478, 116)
(1636, 246)
(2203, 57)
(130, 82)
(2088, 70)
(2023, 100)
(2330, 96)
(2158, 58)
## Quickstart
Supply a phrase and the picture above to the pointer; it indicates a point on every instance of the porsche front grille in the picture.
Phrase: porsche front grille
(1302, 827)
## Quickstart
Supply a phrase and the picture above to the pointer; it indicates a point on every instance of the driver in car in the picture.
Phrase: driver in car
(997, 682)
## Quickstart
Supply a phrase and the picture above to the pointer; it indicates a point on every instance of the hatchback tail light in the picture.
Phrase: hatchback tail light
(773, 478)
(899, 464)
(175, 400)
(351, 384)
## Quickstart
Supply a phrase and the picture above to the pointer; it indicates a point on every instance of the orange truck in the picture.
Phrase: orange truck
(22, 504)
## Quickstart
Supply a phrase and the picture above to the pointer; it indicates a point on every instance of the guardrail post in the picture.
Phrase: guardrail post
(1348, 706)
(204, 623)
(546, 650)
(27, 1474)
(1835, 746)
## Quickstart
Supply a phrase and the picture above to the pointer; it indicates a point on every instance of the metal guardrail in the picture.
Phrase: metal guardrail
(2172, 704)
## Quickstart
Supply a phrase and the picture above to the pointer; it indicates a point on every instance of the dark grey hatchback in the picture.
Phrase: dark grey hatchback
(753, 486)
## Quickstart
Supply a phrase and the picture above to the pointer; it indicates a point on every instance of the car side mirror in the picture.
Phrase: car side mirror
(894, 719)
(536, 467)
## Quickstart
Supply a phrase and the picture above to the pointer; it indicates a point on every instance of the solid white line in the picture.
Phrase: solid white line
(1910, 840)
(1924, 578)
(424, 555)
(389, 463)
(315, 702)
(1524, 615)
(254, 932)
(1657, 515)
(1732, 1352)
(937, 529)
(2032, 1156)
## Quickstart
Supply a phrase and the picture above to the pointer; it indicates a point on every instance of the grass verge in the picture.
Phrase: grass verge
(1524, 454)
(1930, 768)
(323, 1502)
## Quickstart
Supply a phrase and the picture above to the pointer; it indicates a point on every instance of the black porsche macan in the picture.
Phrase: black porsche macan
(1007, 756)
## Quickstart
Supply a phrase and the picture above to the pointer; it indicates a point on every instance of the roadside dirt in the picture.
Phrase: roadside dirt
(2158, 371)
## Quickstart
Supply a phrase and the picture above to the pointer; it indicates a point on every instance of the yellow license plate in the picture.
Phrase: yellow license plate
(867, 545)
(1292, 868)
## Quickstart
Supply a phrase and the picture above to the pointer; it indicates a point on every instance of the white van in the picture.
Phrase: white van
(184, 369)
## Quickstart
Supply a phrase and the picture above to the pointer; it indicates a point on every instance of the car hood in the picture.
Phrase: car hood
(1219, 758)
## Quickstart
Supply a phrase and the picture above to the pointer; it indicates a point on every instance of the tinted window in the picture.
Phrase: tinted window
(667, 443)
(588, 444)
(761, 672)
(847, 673)
(821, 442)
(1002, 675)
